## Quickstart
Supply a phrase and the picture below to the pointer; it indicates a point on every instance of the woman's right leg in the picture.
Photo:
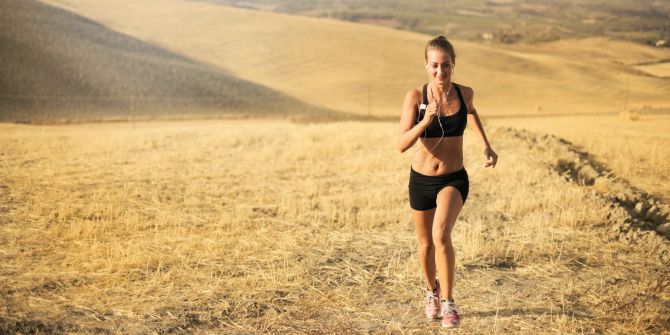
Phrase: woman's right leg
(423, 221)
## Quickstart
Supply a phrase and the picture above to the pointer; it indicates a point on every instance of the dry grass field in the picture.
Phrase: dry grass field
(634, 150)
(239, 225)
(254, 227)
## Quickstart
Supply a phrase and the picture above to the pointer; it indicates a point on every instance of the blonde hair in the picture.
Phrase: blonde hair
(442, 43)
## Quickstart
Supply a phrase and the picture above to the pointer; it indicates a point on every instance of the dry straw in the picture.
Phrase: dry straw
(242, 227)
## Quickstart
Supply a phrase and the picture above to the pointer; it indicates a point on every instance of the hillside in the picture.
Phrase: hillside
(59, 66)
(504, 21)
(367, 69)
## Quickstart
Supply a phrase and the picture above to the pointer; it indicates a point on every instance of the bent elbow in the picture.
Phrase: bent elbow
(402, 148)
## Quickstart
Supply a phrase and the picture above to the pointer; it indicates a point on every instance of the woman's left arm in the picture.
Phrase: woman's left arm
(476, 124)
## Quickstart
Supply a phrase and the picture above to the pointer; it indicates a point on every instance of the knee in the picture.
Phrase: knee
(426, 247)
(442, 239)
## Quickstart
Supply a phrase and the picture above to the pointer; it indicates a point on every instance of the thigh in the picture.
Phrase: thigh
(449, 204)
(423, 223)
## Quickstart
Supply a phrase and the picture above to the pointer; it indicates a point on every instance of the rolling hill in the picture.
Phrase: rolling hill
(59, 66)
(505, 21)
(367, 69)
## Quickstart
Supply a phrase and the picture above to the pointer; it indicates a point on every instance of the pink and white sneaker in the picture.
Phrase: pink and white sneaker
(432, 302)
(449, 313)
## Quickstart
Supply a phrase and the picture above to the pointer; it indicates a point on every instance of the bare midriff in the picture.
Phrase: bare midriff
(446, 157)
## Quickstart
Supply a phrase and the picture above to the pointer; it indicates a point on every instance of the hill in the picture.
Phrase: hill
(60, 66)
(367, 69)
(505, 21)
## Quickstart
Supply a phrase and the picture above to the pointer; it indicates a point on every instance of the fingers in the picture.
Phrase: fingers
(431, 111)
(492, 160)
(431, 108)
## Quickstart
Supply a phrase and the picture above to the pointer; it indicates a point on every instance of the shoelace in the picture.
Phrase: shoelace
(432, 300)
(451, 309)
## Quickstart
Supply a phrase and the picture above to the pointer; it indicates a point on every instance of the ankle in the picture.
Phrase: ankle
(434, 288)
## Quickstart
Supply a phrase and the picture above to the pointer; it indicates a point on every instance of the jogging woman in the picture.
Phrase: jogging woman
(436, 114)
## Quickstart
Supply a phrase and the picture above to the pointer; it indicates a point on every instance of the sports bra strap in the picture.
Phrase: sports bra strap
(424, 99)
(460, 96)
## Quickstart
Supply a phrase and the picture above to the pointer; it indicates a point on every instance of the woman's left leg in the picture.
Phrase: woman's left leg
(449, 204)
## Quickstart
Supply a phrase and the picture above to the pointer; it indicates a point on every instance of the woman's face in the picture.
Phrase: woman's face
(439, 66)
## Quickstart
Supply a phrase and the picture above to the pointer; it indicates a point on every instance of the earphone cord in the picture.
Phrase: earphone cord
(438, 118)
(425, 131)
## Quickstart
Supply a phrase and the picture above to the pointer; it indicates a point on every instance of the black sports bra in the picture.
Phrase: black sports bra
(453, 124)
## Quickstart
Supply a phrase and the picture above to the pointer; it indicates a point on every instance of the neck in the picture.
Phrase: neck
(440, 90)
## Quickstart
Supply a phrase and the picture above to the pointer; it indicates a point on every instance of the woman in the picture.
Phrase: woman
(437, 114)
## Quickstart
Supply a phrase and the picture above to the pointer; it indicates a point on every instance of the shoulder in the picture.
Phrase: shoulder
(412, 99)
(468, 95)
(414, 94)
(410, 107)
(468, 92)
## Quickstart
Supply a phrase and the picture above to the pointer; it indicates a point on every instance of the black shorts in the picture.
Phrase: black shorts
(423, 189)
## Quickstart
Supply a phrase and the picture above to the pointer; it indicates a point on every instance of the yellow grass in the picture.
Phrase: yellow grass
(597, 48)
(367, 70)
(266, 226)
(659, 70)
(272, 227)
(635, 150)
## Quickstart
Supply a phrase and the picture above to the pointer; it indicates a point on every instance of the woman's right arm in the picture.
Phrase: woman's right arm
(409, 132)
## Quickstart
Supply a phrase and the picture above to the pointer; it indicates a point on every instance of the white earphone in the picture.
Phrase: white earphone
(438, 114)
(439, 122)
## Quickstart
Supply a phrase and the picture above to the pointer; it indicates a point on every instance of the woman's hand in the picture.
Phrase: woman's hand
(429, 114)
(491, 157)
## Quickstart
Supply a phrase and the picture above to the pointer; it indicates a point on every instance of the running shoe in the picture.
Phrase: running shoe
(432, 302)
(449, 313)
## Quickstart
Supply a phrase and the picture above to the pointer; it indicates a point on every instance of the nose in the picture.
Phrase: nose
(442, 70)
